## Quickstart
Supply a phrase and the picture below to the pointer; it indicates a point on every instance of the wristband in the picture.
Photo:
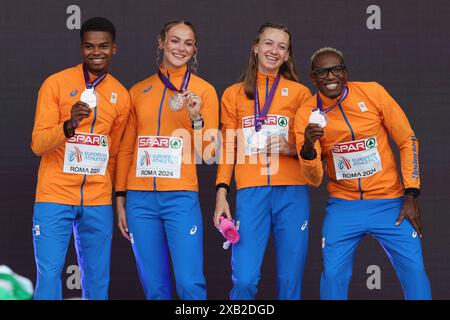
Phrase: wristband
(414, 192)
(308, 156)
(223, 185)
(66, 129)
(121, 193)
(198, 124)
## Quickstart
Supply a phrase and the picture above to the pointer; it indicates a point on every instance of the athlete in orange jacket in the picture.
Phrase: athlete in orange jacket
(80, 117)
(238, 122)
(172, 113)
(347, 124)
(258, 142)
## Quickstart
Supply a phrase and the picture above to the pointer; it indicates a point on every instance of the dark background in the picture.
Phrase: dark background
(410, 56)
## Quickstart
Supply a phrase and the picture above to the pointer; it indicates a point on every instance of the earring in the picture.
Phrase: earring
(194, 64)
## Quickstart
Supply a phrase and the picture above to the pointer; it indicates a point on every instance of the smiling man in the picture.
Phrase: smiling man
(80, 117)
(347, 124)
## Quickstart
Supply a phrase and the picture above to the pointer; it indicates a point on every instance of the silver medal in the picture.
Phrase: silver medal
(259, 140)
(88, 96)
(318, 117)
(176, 102)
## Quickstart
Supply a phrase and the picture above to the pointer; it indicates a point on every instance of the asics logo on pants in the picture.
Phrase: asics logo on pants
(304, 225)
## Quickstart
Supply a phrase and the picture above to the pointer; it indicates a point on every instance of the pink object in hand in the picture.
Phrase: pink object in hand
(228, 230)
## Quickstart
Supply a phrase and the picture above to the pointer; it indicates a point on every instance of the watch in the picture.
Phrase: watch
(198, 124)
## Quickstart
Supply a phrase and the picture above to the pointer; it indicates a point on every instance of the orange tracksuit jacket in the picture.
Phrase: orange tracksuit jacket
(151, 116)
(55, 99)
(255, 170)
(368, 111)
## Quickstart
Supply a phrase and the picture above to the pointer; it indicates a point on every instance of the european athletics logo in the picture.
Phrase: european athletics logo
(145, 159)
(76, 154)
(344, 163)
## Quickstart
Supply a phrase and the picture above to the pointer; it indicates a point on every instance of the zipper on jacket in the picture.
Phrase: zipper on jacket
(85, 176)
(361, 192)
(159, 120)
(267, 153)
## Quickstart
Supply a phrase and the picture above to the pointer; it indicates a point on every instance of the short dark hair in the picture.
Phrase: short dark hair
(98, 24)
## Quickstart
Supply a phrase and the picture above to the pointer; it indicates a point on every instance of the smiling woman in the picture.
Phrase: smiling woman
(260, 109)
(178, 42)
(161, 213)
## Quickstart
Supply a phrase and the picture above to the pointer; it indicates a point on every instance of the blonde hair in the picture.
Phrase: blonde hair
(325, 50)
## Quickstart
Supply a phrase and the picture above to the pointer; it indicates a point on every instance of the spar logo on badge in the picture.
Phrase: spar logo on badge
(344, 163)
(175, 143)
(76, 155)
(371, 143)
(355, 146)
(153, 142)
(145, 159)
(89, 139)
(282, 121)
(103, 141)
(270, 120)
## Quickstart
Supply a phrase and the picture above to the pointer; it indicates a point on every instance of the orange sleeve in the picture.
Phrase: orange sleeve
(126, 149)
(209, 132)
(116, 132)
(305, 95)
(312, 169)
(397, 124)
(48, 132)
(229, 124)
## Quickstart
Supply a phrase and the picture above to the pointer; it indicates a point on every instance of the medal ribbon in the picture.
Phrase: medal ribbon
(171, 86)
(92, 84)
(261, 116)
(341, 98)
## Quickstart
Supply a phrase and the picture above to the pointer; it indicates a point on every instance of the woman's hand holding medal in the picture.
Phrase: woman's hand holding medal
(193, 103)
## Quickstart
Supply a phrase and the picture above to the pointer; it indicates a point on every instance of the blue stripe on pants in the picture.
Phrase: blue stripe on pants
(163, 222)
(284, 210)
(346, 222)
(92, 227)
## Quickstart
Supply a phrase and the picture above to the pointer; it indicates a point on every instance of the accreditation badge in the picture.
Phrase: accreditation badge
(356, 159)
(256, 141)
(159, 156)
(86, 153)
